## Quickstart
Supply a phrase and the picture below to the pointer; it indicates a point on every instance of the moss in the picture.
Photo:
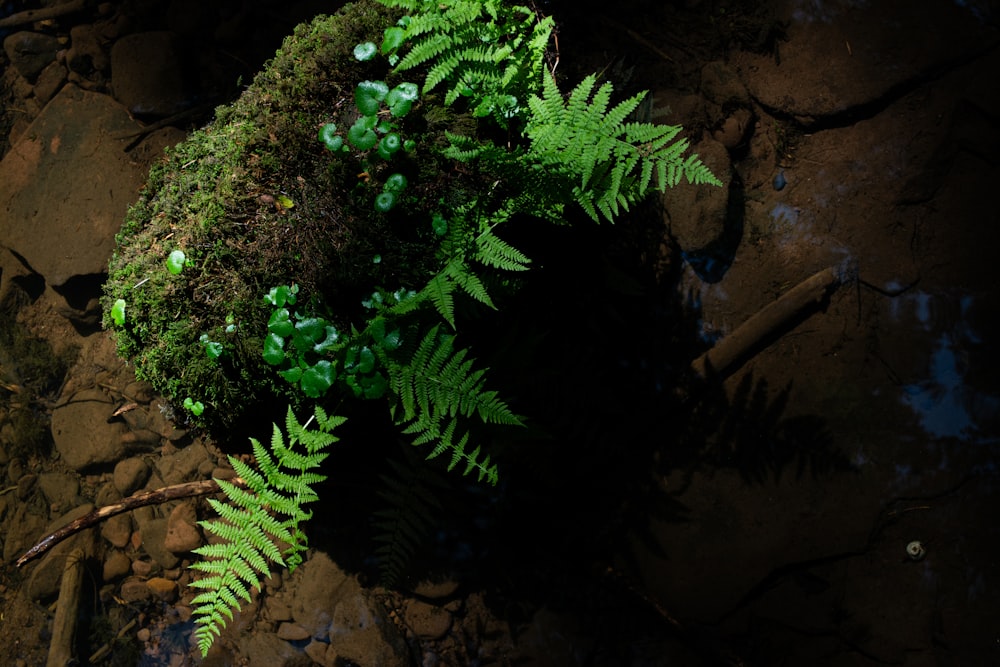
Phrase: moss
(214, 198)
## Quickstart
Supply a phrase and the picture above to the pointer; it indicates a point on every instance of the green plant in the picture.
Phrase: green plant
(502, 141)
(264, 511)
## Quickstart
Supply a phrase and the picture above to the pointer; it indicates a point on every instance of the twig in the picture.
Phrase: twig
(64, 624)
(186, 490)
(32, 15)
(722, 358)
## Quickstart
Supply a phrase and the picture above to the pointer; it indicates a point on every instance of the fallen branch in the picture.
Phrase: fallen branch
(64, 624)
(722, 359)
(32, 15)
(175, 492)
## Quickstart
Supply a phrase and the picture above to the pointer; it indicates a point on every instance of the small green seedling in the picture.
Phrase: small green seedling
(118, 312)
(176, 262)
(193, 406)
(213, 349)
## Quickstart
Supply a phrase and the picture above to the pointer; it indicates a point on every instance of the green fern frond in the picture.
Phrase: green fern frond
(611, 163)
(438, 387)
(258, 515)
(485, 50)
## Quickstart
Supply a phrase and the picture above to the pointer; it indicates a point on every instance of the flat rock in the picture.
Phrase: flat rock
(182, 530)
(861, 63)
(30, 52)
(147, 71)
(65, 187)
(130, 474)
(82, 434)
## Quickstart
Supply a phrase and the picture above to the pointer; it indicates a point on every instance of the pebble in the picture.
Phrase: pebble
(130, 474)
(780, 181)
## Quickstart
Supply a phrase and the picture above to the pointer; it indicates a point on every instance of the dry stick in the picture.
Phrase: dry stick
(186, 490)
(64, 624)
(32, 15)
(722, 358)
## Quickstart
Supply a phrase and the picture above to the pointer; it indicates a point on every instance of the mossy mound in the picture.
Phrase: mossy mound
(255, 200)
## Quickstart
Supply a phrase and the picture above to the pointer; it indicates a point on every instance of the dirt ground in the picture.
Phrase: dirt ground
(841, 511)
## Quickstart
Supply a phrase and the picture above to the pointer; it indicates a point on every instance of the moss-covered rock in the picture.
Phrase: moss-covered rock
(254, 200)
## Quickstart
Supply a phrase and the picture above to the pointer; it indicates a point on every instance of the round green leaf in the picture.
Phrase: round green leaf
(392, 40)
(317, 379)
(409, 145)
(391, 142)
(439, 224)
(328, 135)
(274, 352)
(175, 262)
(361, 137)
(280, 323)
(404, 91)
(395, 183)
(368, 96)
(365, 51)
(384, 202)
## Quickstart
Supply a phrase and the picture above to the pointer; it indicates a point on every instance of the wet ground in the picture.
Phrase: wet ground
(778, 527)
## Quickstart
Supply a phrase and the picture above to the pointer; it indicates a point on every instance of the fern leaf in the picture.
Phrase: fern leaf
(254, 520)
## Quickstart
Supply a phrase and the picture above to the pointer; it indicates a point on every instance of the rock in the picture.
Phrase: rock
(436, 590)
(181, 465)
(15, 469)
(60, 489)
(735, 129)
(163, 589)
(26, 485)
(292, 632)
(264, 649)
(116, 566)
(134, 590)
(86, 56)
(318, 587)
(697, 217)
(147, 74)
(722, 86)
(361, 632)
(82, 434)
(130, 474)
(154, 534)
(117, 530)
(21, 531)
(142, 568)
(427, 621)
(140, 392)
(67, 166)
(317, 651)
(49, 82)
(44, 580)
(182, 530)
(30, 52)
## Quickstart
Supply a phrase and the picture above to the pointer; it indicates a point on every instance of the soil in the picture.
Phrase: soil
(827, 499)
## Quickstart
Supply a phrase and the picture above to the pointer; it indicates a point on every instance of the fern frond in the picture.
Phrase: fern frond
(258, 516)
(437, 388)
(612, 163)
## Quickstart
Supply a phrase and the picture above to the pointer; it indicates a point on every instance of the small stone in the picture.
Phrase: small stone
(25, 485)
(427, 621)
(143, 635)
(142, 568)
(134, 590)
(292, 632)
(436, 590)
(162, 588)
(117, 530)
(116, 566)
(14, 470)
(49, 82)
(29, 52)
(278, 611)
(140, 392)
(182, 530)
(130, 474)
(154, 534)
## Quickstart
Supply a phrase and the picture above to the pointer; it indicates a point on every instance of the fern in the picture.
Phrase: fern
(411, 493)
(457, 274)
(611, 163)
(437, 389)
(485, 50)
(258, 518)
